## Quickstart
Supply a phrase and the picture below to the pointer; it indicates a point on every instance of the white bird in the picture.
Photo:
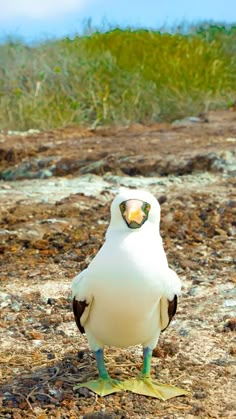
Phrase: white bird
(128, 294)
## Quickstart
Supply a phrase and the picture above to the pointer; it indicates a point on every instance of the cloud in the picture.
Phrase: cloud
(40, 9)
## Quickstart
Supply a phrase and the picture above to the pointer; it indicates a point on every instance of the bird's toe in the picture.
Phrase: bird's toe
(102, 386)
(148, 387)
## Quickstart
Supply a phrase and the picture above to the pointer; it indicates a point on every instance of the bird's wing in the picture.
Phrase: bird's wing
(168, 302)
(81, 299)
(167, 311)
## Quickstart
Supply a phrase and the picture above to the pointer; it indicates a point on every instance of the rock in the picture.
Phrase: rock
(193, 291)
(65, 166)
(162, 199)
(198, 162)
(30, 131)
(50, 355)
(189, 120)
(31, 169)
(51, 301)
(98, 168)
(40, 244)
(84, 392)
(230, 324)
(37, 342)
(225, 162)
(230, 303)
(200, 394)
(5, 299)
(16, 306)
(80, 355)
(232, 350)
(183, 332)
(45, 174)
(151, 165)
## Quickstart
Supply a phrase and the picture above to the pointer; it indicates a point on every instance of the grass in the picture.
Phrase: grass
(119, 76)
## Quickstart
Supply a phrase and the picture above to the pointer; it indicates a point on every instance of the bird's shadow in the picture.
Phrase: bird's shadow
(55, 382)
(50, 384)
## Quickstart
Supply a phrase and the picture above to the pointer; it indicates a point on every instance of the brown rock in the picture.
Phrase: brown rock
(40, 244)
(231, 324)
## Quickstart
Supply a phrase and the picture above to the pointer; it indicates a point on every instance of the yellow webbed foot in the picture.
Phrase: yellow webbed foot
(102, 386)
(147, 387)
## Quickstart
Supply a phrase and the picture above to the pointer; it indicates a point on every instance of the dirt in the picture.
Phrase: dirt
(55, 192)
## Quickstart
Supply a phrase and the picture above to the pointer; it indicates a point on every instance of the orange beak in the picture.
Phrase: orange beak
(134, 211)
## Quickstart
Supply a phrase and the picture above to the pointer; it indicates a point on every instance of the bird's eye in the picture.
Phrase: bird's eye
(122, 207)
(147, 208)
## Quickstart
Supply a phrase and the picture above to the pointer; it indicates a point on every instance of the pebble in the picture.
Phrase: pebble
(200, 395)
(37, 342)
(188, 382)
(183, 332)
(230, 324)
(16, 306)
(229, 303)
(84, 392)
(5, 299)
(189, 120)
(23, 133)
(193, 291)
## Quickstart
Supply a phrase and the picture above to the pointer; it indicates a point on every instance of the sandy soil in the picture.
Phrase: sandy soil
(55, 195)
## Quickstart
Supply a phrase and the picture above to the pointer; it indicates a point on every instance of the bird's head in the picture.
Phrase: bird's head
(134, 210)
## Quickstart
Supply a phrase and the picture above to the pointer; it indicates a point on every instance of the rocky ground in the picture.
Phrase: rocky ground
(55, 192)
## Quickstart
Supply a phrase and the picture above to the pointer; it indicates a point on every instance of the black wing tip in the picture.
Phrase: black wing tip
(78, 309)
(172, 308)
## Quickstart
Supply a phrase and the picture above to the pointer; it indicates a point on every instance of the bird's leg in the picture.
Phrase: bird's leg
(142, 385)
(102, 371)
(147, 357)
(146, 386)
(105, 384)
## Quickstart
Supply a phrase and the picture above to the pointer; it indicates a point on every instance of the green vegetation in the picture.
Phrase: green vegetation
(120, 76)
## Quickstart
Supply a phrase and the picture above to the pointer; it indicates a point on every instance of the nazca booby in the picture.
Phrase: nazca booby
(128, 294)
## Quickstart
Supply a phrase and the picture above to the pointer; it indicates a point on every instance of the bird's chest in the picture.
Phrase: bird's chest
(125, 309)
(126, 294)
(126, 278)
(127, 289)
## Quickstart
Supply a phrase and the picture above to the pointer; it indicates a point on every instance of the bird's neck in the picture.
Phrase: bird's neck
(148, 234)
(136, 246)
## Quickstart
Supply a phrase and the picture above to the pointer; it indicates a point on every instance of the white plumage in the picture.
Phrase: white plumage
(128, 284)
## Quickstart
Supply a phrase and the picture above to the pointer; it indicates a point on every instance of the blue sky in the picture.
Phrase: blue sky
(37, 19)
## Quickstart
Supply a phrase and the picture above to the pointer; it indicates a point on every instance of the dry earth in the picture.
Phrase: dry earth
(55, 193)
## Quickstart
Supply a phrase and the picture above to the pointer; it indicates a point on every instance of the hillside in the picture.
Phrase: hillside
(117, 77)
